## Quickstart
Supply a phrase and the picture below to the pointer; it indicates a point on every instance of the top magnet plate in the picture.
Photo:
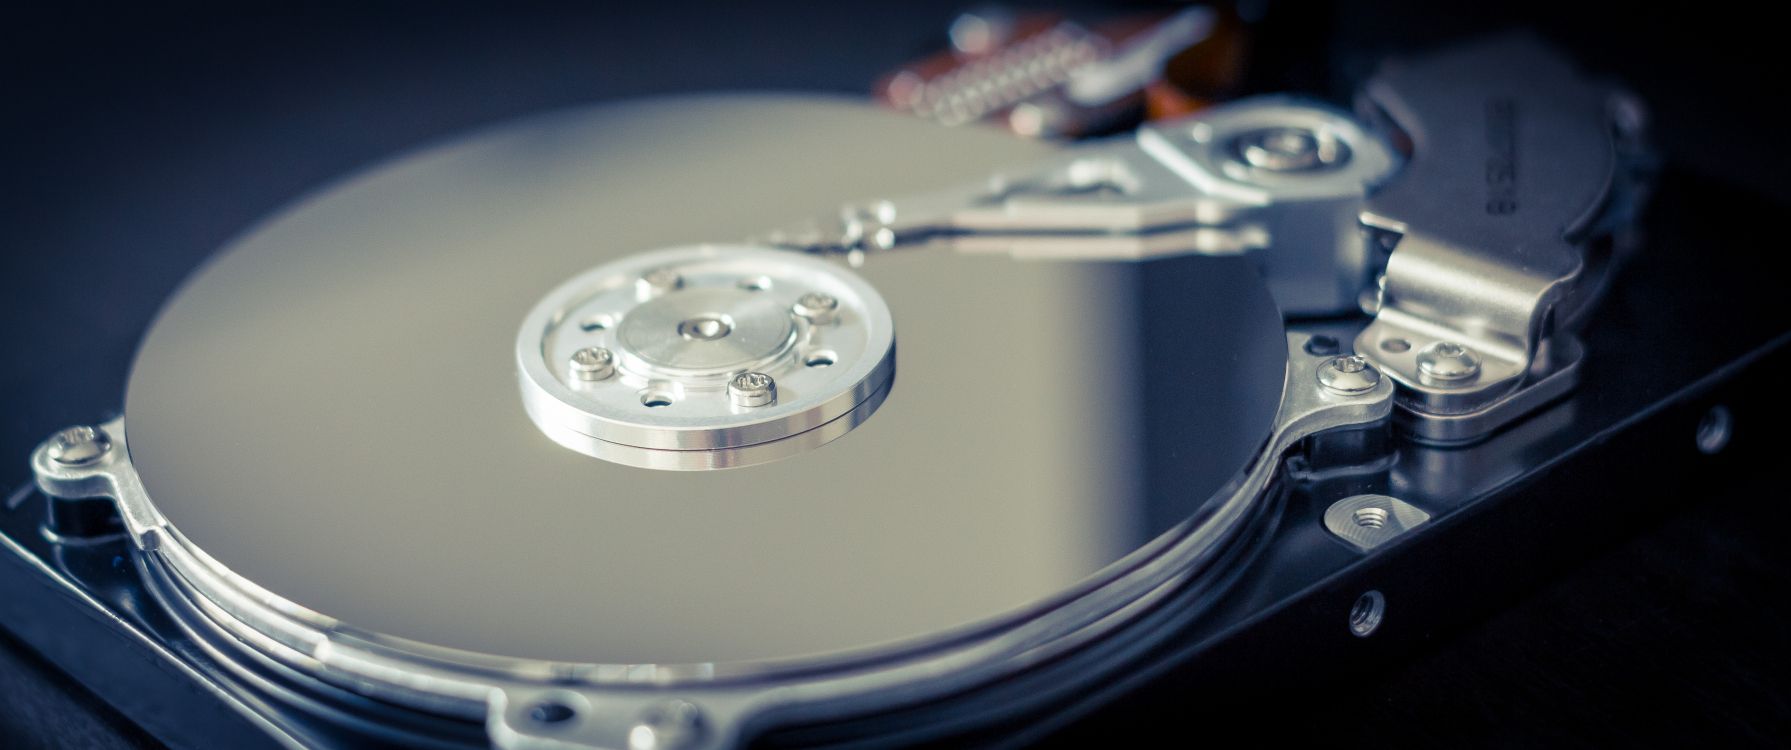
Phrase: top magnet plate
(330, 407)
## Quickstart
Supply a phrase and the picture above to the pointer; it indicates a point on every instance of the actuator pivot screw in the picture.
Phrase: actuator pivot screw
(1448, 362)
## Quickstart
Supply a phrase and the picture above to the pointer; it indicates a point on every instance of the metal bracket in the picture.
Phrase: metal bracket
(1369, 521)
(1516, 158)
(103, 470)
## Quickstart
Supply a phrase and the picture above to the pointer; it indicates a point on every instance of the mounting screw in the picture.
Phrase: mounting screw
(658, 281)
(818, 308)
(593, 363)
(752, 389)
(672, 725)
(1348, 375)
(1288, 150)
(79, 446)
(1448, 362)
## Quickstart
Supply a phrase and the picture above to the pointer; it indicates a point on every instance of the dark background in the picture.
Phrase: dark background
(136, 139)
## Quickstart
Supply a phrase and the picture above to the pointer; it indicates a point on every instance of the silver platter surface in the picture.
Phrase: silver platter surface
(329, 408)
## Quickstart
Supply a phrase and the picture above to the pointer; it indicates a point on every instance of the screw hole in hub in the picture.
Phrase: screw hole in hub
(707, 327)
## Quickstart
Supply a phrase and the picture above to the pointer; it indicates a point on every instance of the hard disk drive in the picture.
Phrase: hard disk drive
(713, 420)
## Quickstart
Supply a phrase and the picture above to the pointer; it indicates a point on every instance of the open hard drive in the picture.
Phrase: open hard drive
(895, 434)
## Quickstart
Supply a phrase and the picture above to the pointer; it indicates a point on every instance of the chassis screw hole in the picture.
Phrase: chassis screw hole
(1371, 517)
(1323, 346)
(1715, 429)
(1366, 615)
(820, 359)
(1396, 345)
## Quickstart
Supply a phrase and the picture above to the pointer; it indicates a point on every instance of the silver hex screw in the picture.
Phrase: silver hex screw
(1288, 149)
(1348, 375)
(672, 725)
(817, 308)
(79, 446)
(752, 389)
(593, 363)
(658, 281)
(1447, 362)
